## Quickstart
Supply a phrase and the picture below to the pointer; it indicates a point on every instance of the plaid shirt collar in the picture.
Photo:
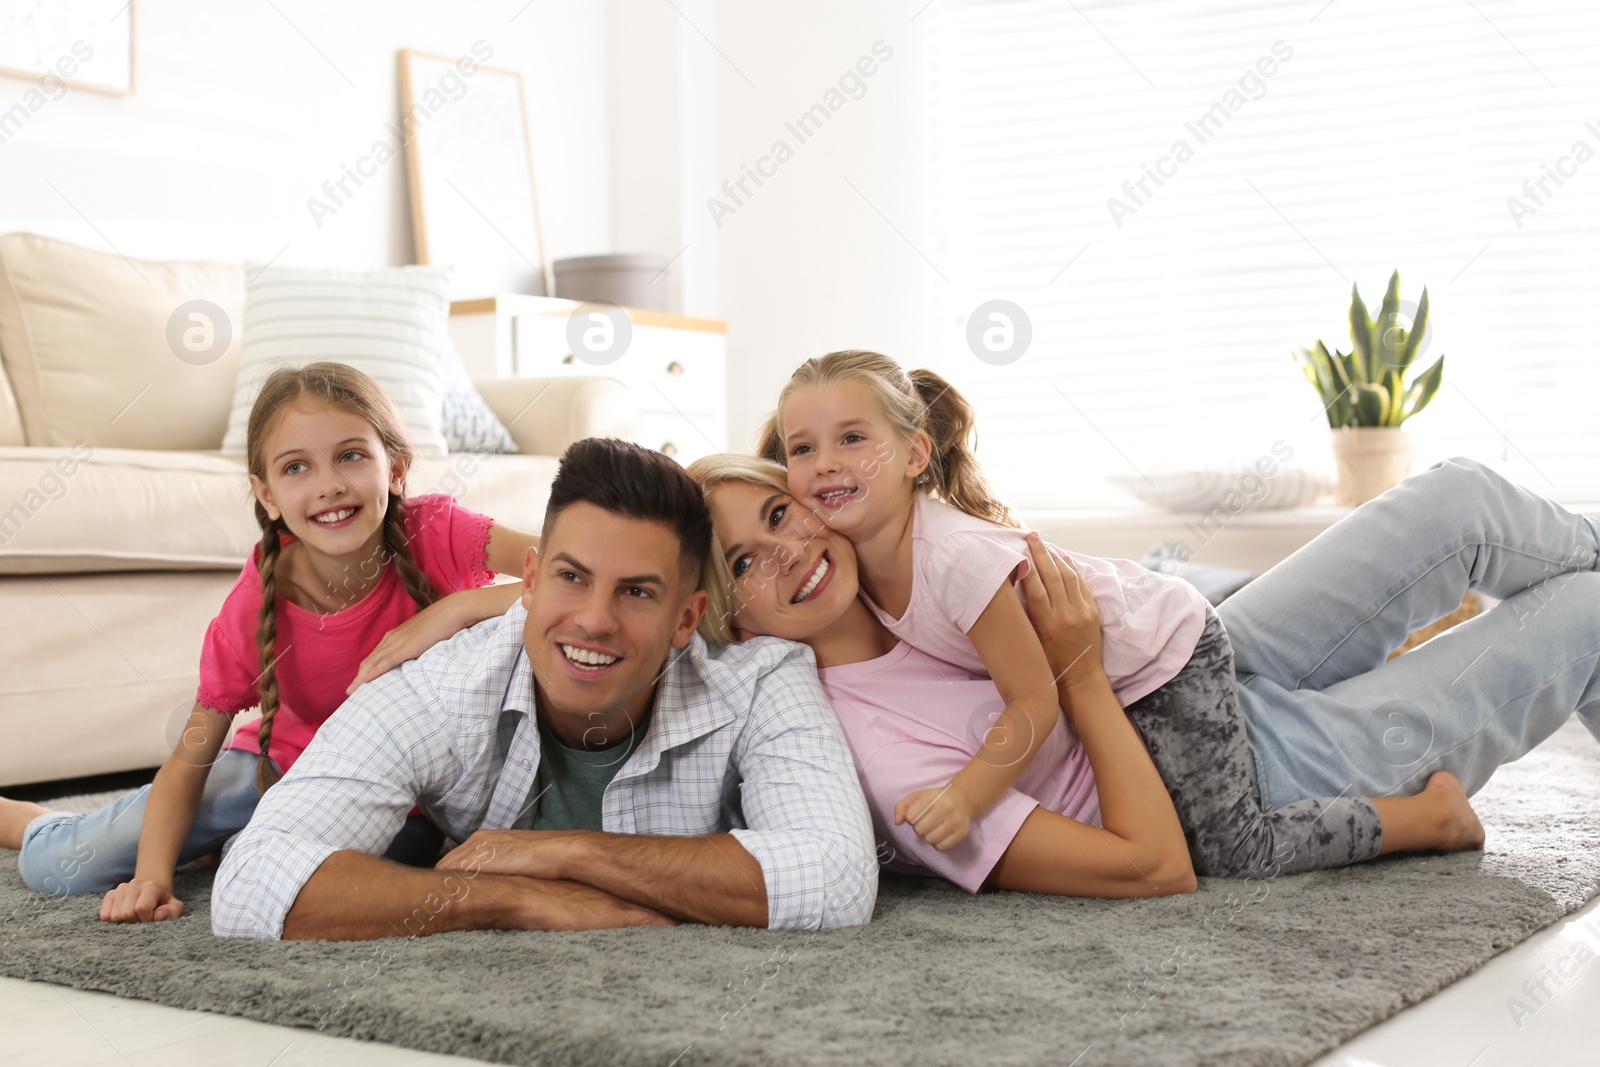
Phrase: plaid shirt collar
(685, 707)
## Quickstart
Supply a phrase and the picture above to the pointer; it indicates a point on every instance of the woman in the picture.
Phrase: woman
(1326, 715)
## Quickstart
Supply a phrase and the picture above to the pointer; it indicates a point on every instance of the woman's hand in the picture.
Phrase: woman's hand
(438, 621)
(140, 901)
(1064, 615)
(942, 817)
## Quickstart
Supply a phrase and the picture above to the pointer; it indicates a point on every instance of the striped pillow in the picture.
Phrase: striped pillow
(392, 324)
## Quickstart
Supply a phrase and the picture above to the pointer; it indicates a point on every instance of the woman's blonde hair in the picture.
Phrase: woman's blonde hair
(713, 472)
(919, 400)
(347, 388)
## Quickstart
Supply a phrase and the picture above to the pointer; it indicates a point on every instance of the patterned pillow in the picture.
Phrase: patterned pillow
(1231, 486)
(468, 424)
(393, 324)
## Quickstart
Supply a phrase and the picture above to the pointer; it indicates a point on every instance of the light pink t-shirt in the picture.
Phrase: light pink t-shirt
(1150, 622)
(912, 723)
(318, 654)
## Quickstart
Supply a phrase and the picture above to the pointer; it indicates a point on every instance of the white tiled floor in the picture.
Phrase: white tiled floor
(1470, 1024)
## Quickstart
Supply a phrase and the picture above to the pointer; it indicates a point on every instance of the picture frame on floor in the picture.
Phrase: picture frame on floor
(469, 163)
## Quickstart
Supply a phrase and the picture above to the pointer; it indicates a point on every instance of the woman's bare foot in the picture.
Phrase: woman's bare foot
(15, 815)
(1459, 828)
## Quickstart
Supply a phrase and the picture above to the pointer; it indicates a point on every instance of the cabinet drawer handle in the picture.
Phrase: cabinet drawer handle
(668, 449)
(569, 359)
(674, 367)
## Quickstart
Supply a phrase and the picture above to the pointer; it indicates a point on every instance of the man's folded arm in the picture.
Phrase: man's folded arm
(348, 792)
(806, 860)
(807, 820)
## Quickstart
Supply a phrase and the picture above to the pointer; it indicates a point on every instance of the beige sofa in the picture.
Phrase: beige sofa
(122, 527)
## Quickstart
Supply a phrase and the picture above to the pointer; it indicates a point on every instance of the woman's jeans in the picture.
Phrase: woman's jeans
(1327, 716)
(66, 854)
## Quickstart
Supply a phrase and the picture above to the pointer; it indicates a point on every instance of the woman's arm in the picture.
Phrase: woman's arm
(1139, 849)
(168, 815)
(1016, 660)
(444, 618)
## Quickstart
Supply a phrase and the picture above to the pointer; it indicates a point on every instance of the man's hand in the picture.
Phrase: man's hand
(530, 853)
(140, 901)
(942, 817)
(1064, 614)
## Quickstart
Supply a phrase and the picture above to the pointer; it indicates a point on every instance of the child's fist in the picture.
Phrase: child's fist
(941, 817)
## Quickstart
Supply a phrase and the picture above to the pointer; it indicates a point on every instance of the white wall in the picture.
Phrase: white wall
(636, 121)
(238, 120)
(804, 263)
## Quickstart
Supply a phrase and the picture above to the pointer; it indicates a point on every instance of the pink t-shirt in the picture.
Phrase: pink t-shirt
(1150, 622)
(912, 723)
(318, 654)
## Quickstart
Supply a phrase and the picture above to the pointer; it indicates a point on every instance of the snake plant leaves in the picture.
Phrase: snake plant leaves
(1367, 385)
(1371, 403)
(1385, 343)
(1414, 336)
(1423, 389)
(1360, 335)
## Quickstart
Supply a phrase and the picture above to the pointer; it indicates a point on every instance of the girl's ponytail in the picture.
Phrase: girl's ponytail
(267, 641)
(953, 470)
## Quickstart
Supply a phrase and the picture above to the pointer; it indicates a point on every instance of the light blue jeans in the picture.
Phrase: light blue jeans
(66, 853)
(1327, 716)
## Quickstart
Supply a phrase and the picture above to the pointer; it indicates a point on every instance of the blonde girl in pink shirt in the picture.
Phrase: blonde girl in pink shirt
(350, 578)
(883, 458)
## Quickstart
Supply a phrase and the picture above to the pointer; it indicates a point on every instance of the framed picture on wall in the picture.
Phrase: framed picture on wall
(86, 44)
(470, 166)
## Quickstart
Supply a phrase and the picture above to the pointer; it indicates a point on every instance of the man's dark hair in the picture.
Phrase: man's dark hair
(639, 483)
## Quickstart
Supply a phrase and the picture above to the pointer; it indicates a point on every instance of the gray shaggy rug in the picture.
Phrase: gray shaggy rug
(1239, 973)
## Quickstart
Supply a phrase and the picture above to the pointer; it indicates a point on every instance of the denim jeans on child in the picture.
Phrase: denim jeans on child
(66, 854)
(1327, 716)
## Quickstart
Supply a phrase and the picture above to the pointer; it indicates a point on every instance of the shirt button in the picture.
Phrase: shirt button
(527, 763)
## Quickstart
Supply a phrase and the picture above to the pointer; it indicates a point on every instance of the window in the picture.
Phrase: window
(1179, 194)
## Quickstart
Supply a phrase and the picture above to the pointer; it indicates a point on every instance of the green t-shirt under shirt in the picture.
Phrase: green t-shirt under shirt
(571, 782)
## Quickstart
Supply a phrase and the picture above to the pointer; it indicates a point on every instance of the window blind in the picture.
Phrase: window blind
(1179, 194)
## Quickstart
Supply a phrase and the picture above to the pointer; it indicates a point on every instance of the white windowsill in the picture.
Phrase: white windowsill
(1251, 540)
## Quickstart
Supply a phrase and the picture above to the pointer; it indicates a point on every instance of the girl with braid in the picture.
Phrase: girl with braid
(350, 578)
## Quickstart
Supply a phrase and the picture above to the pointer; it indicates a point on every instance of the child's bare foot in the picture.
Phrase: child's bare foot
(1459, 828)
(15, 815)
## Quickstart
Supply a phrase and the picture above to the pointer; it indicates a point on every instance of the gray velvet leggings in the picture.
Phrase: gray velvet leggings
(1194, 729)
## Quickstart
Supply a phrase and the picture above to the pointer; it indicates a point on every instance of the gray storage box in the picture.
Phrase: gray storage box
(634, 281)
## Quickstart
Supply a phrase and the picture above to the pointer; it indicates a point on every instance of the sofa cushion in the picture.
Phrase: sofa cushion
(86, 509)
(117, 352)
(10, 416)
(391, 324)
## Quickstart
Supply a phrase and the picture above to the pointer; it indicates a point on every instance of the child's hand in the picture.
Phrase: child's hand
(140, 902)
(1063, 613)
(942, 817)
(437, 622)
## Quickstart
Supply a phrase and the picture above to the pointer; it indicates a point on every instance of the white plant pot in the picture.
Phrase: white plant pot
(1370, 461)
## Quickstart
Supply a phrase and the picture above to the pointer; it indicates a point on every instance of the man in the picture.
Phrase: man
(602, 765)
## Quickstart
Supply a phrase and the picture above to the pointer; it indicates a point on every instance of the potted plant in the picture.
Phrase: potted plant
(1366, 395)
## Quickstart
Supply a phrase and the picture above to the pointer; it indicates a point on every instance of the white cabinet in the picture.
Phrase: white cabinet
(675, 365)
